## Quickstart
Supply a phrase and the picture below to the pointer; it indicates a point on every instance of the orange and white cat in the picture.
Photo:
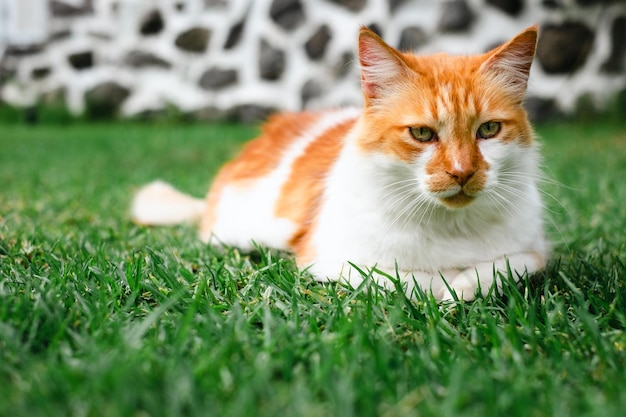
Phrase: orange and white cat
(435, 178)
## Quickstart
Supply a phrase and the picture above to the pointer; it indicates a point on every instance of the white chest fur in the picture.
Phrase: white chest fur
(375, 212)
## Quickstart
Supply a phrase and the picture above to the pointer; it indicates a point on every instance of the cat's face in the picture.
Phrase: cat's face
(453, 121)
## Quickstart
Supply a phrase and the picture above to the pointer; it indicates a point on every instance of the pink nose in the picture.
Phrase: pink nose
(462, 176)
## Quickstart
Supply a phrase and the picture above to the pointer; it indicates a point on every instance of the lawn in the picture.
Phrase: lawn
(99, 317)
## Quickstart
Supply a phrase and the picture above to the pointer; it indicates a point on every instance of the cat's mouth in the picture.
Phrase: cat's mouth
(457, 200)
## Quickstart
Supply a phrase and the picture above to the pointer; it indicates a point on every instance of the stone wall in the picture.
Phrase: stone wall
(244, 58)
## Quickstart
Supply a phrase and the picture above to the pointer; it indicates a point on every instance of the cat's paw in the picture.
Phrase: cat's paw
(464, 285)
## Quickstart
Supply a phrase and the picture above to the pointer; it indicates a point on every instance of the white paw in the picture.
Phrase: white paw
(463, 285)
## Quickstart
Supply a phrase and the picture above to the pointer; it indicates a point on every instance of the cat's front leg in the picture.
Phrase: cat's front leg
(428, 282)
(483, 274)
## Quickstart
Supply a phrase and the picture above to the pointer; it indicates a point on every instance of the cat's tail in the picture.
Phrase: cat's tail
(160, 204)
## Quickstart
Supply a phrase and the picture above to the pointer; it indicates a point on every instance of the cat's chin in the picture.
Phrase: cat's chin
(457, 201)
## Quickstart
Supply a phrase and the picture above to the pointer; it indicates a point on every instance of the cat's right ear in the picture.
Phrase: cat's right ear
(381, 65)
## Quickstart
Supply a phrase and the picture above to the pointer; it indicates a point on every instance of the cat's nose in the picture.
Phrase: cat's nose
(462, 176)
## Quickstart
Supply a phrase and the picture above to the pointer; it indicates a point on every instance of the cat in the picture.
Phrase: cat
(433, 181)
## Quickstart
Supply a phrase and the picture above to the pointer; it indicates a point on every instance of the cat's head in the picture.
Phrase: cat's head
(458, 120)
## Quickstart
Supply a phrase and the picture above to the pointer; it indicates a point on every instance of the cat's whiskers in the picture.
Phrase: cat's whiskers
(405, 185)
(395, 183)
(401, 197)
(404, 188)
(401, 188)
(502, 194)
(403, 205)
(498, 203)
(430, 211)
(539, 177)
(421, 203)
(522, 179)
(522, 176)
(394, 191)
(406, 202)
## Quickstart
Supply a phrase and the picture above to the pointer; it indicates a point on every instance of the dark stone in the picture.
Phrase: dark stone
(152, 23)
(494, 45)
(542, 109)
(211, 114)
(344, 65)
(53, 97)
(23, 50)
(100, 35)
(374, 27)
(271, 61)
(592, 2)
(586, 108)
(615, 63)
(552, 4)
(618, 105)
(151, 115)
(215, 4)
(179, 7)
(234, 35)
(310, 90)
(41, 72)
(81, 60)
(456, 16)
(60, 35)
(218, 78)
(287, 14)
(7, 72)
(564, 48)
(252, 113)
(60, 8)
(411, 38)
(142, 59)
(316, 45)
(352, 5)
(31, 115)
(52, 107)
(194, 40)
(104, 100)
(395, 4)
(510, 7)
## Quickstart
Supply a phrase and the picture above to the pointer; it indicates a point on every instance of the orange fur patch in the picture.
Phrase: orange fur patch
(262, 155)
(258, 158)
(301, 194)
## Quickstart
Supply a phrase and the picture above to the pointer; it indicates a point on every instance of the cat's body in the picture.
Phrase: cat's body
(435, 177)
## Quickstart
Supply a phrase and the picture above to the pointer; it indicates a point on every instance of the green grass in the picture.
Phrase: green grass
(99, 317)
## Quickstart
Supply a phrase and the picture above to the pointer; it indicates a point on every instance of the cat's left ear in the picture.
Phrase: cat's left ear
(509, 64)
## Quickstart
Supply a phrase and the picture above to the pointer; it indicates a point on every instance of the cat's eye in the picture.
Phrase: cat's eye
(423, 134)
(488, 130)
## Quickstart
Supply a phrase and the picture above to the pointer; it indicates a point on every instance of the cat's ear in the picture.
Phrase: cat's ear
(509, 64)
(381, 65)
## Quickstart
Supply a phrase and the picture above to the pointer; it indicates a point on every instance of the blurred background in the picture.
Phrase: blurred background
(242, 59)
